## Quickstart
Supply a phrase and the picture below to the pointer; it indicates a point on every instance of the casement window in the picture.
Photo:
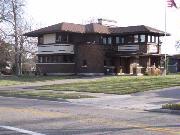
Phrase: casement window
(136, 39)
(130, 39)
(109, 40)
(40, 40)
(117, 40)
(40, 59)
(62, 38)
(104, 40)
(153, 39)
(54, 59)
(122, 40)
(142, 38)
(157, 39)
(65, 59)
(149, 38)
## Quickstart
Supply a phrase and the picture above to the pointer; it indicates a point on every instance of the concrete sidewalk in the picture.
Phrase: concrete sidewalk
(138, 101)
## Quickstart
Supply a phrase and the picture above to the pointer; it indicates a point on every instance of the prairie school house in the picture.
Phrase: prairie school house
(97, 49)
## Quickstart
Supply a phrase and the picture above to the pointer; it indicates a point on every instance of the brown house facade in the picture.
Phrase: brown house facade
(95, 49)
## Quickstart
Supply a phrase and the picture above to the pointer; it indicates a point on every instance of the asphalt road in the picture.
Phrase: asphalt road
(39, 117)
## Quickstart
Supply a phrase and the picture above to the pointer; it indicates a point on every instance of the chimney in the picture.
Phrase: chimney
(100, 21)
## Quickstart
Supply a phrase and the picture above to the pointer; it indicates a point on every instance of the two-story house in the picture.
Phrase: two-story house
(68, 48)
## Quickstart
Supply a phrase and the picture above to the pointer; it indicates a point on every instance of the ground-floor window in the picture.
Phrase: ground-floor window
(84, 64)
(56, 59)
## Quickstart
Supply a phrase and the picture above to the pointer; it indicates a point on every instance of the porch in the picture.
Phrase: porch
(138, 65)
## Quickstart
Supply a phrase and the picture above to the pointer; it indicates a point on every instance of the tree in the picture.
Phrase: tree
(6, 53)
(11, 14)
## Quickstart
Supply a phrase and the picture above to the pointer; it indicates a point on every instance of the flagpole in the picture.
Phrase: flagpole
(165, 36)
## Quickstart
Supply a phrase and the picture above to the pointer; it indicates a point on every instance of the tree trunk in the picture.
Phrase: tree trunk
(16, 39)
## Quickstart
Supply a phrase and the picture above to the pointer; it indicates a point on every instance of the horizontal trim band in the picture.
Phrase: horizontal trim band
(53, 63)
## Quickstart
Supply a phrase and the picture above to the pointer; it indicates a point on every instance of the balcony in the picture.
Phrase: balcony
(56, 49)
(133, 49)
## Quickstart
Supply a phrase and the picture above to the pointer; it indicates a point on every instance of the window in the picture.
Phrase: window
(104, 41)
(62, 38)
(136, 39)
(40, 40)
(142, 38)
(153, 39)
(40, 59)
(157, 39)
(84, 63)
(130, 39)
(117, 40)
(109, 40)
(65, 59)
(54, 59)
(58, 39)
(48, 60)
(122, 40)
(105, 63)
(149, 38)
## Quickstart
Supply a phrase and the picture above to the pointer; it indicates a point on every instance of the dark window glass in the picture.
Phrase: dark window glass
(84, 63)
(61, 38)
(40, 40)
(109, 40)
(130, 39)
(65, 59)
(105, 63)
(104, 40)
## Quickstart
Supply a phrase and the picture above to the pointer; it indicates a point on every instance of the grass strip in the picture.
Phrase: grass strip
(43, 94)
(120, 84)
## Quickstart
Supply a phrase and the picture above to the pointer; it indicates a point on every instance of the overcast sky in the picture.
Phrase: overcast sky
(125, 12)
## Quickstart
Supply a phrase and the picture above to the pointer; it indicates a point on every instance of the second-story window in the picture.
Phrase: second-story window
(153, 39)
(122, 40)
(109, 40)
(130, 39)
(136, 39)
(149, 38)
(62, 38)
(40, 40)
(117, 40)
(157, 39)
(104, 41)
(142, 38)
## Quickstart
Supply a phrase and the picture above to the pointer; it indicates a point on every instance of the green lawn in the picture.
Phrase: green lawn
(13, 80)
(120, 84)
(51, 95)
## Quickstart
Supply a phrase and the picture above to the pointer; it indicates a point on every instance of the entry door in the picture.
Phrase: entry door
(127, 65)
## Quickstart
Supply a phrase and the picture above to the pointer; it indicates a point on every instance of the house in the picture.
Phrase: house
(174, 63)
(96, 49)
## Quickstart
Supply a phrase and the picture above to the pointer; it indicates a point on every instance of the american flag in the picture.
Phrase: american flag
(177, 44)
(172, 3)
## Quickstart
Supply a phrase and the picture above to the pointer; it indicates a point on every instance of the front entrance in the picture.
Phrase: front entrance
(125, 63)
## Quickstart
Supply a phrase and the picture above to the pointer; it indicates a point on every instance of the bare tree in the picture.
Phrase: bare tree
(11, 14)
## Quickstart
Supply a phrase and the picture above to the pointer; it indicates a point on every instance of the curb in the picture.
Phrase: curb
(164, 111)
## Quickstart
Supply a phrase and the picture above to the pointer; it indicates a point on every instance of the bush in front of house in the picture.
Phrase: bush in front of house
(171, 106)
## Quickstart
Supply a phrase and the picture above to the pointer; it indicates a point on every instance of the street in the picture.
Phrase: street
(40, 117)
